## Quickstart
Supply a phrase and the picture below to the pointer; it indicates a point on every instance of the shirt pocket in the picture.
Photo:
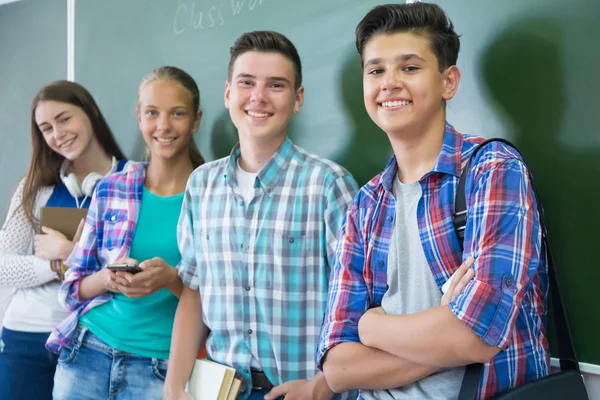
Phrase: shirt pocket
(114, 228)
(291, 267)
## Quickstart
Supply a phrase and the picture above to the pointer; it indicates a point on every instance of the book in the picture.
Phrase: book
(213, 381)
(63, 219)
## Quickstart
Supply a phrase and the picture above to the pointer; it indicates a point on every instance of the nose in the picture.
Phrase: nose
(164, 122)
(392, 80)
(258, 94)
(58, 132)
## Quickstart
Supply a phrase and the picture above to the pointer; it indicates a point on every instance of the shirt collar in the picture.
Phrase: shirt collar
(448, 161)
(270, 173)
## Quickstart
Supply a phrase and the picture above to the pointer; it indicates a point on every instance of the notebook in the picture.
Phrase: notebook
(62, 219)
(213, 381)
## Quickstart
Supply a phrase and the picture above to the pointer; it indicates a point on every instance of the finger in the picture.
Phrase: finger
(132, 292)
(461, 271)
(111, 275)
(126, 276)
(77, 235)
(464, 281)
(468, 263)
(277, 391)
(140, 278)
(121, 281)
(152, 263)
(47, 230)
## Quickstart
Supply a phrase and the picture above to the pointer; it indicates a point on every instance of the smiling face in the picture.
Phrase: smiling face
(167, 119)
(403, 88)
(66, 128)
(261, 96)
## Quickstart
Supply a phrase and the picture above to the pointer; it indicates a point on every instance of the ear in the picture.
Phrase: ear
(197, 121)
(227, 92)
(299, 99)
(451, 81)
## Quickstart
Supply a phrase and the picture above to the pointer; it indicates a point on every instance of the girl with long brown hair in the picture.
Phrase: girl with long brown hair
(72, 149)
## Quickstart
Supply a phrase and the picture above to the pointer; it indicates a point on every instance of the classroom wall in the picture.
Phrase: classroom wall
(33, 51)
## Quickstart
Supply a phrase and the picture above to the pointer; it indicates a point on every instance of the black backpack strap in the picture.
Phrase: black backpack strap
(566, 350)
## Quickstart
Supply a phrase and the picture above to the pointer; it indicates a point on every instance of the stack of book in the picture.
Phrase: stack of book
(213, 381)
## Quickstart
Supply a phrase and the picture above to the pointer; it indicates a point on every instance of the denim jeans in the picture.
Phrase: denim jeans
(91, 369)
(26, 367)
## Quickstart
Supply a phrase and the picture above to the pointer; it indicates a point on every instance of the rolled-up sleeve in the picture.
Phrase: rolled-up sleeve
(187, 267)
(348, 293)
(83, 261)
(503, 234)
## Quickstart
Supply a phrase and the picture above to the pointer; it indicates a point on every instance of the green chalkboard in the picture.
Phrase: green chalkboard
(33, 51)
(529, 74)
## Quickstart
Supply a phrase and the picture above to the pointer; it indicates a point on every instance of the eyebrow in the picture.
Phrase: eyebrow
(269, 78)
(55, 118)
(172, 108)
(401, 57)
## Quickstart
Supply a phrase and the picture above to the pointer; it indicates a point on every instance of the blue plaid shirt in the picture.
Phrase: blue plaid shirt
(505, 304)
(262, 270)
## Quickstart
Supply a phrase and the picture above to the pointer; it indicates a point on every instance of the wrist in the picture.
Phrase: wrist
(172, 390)
(66, 251)
(319, 387)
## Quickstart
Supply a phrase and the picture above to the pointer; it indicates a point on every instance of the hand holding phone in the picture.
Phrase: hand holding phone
(124, 267)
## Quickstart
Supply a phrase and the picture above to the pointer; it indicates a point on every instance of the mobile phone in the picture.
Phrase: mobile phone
(124, 267)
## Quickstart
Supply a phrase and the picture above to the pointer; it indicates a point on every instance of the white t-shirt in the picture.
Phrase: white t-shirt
(245, 184)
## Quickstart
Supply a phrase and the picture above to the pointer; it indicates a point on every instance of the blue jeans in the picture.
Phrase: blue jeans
(91, 369)
(26, 367)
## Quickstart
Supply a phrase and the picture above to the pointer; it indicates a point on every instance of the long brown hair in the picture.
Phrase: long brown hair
(175, 74)
(45, 163)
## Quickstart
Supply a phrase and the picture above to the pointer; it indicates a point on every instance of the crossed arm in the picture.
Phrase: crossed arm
(362, 349)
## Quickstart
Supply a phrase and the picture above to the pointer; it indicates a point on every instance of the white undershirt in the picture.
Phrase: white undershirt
(245, 184)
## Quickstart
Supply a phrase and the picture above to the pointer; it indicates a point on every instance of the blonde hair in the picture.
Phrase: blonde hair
(175, 74)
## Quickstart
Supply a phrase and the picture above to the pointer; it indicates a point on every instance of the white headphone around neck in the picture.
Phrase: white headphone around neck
(86, 188)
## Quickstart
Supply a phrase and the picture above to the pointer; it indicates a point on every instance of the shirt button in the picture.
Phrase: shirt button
(508, 281)
(389, 219)
(249, 331)
(291, 240)
(380, 264)
(113, 218)
(268, 190)
(247, 288)
(242, 245)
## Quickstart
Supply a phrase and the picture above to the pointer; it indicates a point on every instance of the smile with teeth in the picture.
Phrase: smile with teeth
(258, 114)
(395, 103)
(165, 140)
(67, 143)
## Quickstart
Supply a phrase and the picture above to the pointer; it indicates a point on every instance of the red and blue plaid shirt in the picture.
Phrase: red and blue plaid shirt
(505, 304)
(107, 236)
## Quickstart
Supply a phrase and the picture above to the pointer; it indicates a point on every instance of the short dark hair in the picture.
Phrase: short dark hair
(267, 42)
(420, 18)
